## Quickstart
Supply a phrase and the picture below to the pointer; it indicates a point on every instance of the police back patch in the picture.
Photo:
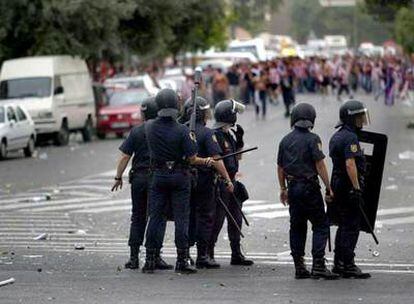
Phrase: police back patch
(214, 137)
(354, 148)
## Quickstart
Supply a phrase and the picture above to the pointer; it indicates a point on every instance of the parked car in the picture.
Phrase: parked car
(122, 112)
(56, 91)
(134, 82)
(17, 130)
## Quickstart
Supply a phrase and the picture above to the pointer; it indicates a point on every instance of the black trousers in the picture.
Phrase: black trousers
(168, 188)
(203, 210)
(306, 204)
(139, 195)
(349, 220)
(233, 233)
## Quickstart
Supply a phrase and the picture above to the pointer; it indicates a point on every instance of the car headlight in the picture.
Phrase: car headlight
(103, 117)
(45, 114)
(135, 115)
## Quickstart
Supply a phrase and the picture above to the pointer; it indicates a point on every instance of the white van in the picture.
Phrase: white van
(57, 92)
(254, 46)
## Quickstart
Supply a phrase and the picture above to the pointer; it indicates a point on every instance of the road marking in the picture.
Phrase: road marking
(395, 210)
(83, 205)
(397, 221)
(255, 202)
(271, 214)
(262, 207)
(104, 209)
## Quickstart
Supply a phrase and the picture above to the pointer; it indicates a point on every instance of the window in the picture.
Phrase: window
(11, 115)
(20, 114)
(25, 87)
(1, 114)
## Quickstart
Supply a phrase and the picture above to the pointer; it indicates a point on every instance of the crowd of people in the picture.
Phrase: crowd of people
(389, 78)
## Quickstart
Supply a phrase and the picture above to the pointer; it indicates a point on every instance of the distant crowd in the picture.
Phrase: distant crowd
(388, 78)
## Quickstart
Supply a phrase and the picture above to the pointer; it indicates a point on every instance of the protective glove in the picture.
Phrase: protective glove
(355, 196)
(239, 133)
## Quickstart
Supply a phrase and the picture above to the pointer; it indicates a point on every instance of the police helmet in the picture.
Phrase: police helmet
(149, 108)
(203, 108)
(303, 116)
(167, 102)
(225, 112)
(350, 110)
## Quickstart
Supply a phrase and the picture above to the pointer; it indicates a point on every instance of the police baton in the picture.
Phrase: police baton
(239, 207)
(235, 153)
(364, 215)
(226, 209)
(194, 92)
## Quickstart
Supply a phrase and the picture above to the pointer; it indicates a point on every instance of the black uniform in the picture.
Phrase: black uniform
(203, 195)
(136, 145)
(228, 145)
(170, 145)
(298, 152)
(344, 145)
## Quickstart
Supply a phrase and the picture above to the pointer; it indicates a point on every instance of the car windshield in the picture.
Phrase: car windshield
(1, 114)
(128, 97)
(25, 87)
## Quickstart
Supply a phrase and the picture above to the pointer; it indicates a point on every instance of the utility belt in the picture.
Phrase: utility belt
(304, 180)
(139, 170)
(170, 166)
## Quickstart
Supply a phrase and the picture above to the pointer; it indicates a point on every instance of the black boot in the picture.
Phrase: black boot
(237, 258)
(133, 262)
(300, 268)
(210, 253)
(353, 271)
(203, 260)
(319, 270)
(338, 267)
(183, 264)
(149, 265)
(160, 264)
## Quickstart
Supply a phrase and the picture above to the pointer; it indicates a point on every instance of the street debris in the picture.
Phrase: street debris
(7, 282)
(41, 237)
(80, 232)
(79, 247)
(43, 156)
(375, 253)
(392, 187)
(35, 256)
(406, 155)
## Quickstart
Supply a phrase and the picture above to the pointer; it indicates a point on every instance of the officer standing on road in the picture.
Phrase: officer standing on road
(135, 145)
(172, 149)
(203, 204)
(300, 160)
(226, 116)
(348, 185)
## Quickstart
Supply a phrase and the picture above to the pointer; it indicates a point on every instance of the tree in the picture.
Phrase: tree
(404, 29)
(251, 14)
(310, 16)
(385, 10)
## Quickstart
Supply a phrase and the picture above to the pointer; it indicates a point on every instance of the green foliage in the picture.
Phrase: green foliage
(404, 29)
(250, 14)
(385, 10)
(310, 16)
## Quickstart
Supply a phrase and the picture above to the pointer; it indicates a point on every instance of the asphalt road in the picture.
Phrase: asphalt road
(64, 192)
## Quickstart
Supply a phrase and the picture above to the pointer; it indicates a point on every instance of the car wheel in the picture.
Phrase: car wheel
(62, 137)
(28, 151)
(87, 130)
(101, 135)
(3, 149)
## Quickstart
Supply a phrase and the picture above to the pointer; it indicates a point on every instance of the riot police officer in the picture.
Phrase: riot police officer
(300, 160)
(135, 145)
(348, 184)
(203, 194)
(172, 148)
(225, 115)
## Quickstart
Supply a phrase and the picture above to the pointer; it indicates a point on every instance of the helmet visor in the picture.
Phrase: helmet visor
(361, 115)
(238, 107)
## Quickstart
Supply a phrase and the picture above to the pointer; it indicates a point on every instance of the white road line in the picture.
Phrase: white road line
(34, 221)
(397, 221)
(395, 210)
(34, 205)
(126, 202)
(104, 209)
(88, 187)
(255, 202)
(37, 229)
(271, 214)
(263, 207)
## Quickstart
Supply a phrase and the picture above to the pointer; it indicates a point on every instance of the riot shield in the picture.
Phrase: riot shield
(375, 147)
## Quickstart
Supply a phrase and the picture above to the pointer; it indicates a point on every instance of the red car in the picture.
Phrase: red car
(122, 112)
